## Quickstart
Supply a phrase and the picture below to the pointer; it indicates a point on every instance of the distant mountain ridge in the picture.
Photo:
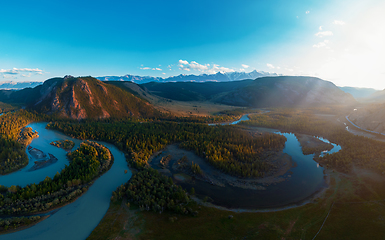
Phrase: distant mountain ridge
(376, 97)
(218, 77)
(18, 85)
(358, 93)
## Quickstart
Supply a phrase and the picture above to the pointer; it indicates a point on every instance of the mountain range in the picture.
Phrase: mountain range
(218, 77)
(357, 93)
(362, 94)
(280, 91)
(18, 85)
(87, 97)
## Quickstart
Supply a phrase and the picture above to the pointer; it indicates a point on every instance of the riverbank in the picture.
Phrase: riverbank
(356, 130)
(311, 199)
(48, 213)
(283, 186)
(70, 194)
(312, 145)
(77, 219)
(22, 227)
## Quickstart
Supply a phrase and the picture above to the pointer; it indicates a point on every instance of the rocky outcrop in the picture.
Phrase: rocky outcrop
(75, 110)
(85, 90)
(103, 88)
(105, 114)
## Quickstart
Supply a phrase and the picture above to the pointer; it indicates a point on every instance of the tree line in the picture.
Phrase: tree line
(12, 145)
(150, 190)
(15, 222)
(65, 144)
(234, 151)
(228, 148)
(89, 161)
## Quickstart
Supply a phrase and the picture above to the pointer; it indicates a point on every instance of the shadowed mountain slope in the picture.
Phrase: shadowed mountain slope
(282, 91)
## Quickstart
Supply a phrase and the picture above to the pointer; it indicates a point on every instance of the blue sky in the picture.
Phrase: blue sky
(339, 41)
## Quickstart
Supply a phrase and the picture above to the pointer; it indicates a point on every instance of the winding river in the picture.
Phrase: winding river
(78, 219)
(293, 188)
(299, 184)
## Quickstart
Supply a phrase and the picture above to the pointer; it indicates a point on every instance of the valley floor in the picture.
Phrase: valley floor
(353, 207)
(185, 109)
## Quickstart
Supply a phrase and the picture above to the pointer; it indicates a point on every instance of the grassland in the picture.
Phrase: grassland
(120, 222)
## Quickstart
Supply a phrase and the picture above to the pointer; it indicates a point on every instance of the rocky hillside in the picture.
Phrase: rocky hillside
(81, 98)
(282, 91)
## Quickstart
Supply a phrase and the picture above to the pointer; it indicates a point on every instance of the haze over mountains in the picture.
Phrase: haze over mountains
(377, 96)
(18, 85)
(362, 94)
(217, 77)
(359, 93)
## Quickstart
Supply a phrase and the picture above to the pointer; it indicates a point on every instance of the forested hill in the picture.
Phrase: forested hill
(80, 98)
(282, 91)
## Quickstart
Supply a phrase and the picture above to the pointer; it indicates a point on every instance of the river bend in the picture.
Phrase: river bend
(78, 219)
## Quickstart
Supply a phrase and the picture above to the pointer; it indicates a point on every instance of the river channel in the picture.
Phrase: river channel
(300, 183)
(78, 219)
